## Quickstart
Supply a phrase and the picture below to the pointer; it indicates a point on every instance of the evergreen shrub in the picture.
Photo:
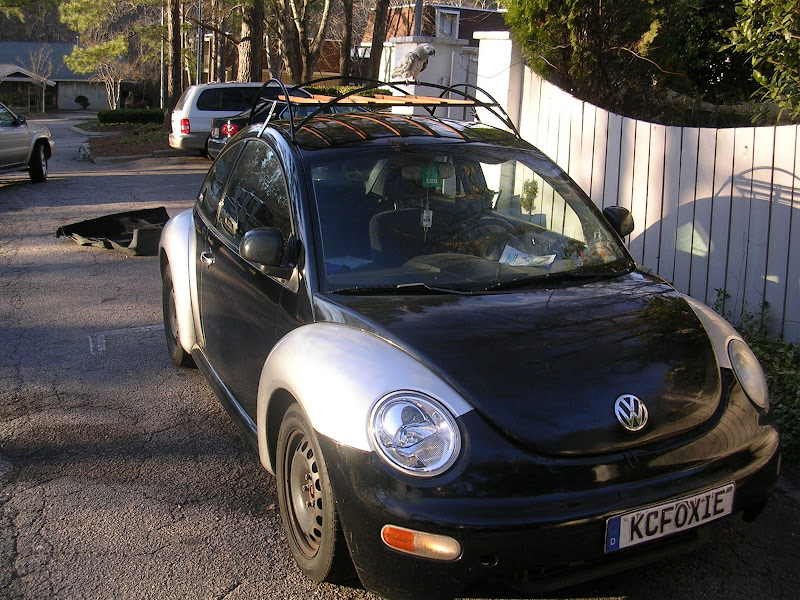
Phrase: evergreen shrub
(130, 115)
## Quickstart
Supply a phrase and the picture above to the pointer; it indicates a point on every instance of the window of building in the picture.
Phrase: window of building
(447, 23)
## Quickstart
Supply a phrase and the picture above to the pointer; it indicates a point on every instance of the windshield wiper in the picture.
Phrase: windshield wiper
(587, 276)
(401, 288)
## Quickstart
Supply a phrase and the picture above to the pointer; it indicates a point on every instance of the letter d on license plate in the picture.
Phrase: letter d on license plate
(660, 520)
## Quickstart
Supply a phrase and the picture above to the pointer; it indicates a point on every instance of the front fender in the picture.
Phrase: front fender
(177, 251)
(337, 373)
(720, 332)
(44, 138)
(49, 144)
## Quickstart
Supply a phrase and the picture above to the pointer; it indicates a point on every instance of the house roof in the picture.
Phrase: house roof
(458, 7)
(16, 73)
(19, 53)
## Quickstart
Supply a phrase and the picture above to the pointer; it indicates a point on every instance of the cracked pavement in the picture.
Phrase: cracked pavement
(122, 476)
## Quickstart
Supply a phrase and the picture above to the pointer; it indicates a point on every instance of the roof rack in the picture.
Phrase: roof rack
(404, 98)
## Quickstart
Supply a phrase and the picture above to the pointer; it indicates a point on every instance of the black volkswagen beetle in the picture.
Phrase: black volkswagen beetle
(450, 361)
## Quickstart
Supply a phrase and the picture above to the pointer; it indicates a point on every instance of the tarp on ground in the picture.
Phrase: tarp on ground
(133, 232)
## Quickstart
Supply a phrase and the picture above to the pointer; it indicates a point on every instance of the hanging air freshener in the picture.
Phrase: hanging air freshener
(600, 251)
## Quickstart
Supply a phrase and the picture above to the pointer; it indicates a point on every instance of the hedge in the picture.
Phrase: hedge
(130, 115)
(343, 89)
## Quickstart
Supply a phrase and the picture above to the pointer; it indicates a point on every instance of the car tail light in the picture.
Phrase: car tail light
(184, 125)
(229, 129)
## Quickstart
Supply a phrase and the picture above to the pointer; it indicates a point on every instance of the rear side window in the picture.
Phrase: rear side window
(256, 195)
(229, 99)
(211, 192)
(181, 100)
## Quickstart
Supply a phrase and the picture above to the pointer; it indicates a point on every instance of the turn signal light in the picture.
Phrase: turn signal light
(419, 543)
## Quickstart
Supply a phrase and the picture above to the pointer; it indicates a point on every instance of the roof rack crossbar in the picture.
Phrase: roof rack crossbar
(493, 106)
(405, 98)
(370, 84)
(274, 103)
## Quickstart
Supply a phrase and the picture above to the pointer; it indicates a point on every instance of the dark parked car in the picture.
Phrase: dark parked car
(224, 128)
(24, 146)
(450, 361)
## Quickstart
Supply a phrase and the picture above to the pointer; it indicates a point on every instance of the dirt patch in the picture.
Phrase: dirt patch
(128, 140)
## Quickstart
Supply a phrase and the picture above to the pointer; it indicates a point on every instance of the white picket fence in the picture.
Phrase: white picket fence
(715, 209)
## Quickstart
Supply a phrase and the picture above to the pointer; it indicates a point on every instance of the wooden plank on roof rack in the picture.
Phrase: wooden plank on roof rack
(424, 100)
(319, 99)
(303, 100)
(382, 100)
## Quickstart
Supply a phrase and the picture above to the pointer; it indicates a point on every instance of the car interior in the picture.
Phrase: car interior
(440, 212)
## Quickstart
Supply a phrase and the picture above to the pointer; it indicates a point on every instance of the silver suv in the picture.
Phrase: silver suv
(24, 146)
(199, 104)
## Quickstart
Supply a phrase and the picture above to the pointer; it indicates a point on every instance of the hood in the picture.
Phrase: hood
(547, 366)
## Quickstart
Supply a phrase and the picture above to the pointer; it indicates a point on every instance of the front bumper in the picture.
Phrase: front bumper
(536, 522)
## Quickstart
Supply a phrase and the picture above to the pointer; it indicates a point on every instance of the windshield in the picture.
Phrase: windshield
(460, 218)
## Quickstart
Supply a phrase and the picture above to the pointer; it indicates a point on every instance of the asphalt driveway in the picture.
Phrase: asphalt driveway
(122, 477)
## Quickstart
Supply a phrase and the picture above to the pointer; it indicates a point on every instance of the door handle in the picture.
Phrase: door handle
(207, 258)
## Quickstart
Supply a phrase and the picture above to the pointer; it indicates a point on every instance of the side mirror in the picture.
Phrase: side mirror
(21, 121)
(620, 219)
(264, 247)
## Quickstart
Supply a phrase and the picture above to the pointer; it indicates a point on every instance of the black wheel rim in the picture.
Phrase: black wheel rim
(303, 493)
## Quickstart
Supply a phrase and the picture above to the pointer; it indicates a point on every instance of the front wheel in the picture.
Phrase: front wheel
(170, 313)
(37, 168)
(306, 503)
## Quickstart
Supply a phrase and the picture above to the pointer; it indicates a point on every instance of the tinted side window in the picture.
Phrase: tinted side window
(211, 192)
(208, 99)
(238, 99)
(6, 118)
(228, 98)
(256, 195)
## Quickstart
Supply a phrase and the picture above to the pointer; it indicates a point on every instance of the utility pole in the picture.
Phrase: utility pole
(199, 41)
(418, 8)
(162, 75)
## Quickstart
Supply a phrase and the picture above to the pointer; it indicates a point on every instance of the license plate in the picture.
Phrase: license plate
(660, 520)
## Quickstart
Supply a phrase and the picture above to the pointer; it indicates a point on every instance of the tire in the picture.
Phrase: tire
(170, 312)
(37, 167)
(307, 504)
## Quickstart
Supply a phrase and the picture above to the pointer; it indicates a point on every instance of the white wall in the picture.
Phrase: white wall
(715, 209)
(69, 90)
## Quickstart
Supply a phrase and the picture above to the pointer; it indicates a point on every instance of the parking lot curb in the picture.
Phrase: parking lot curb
(173, 152)
(91, 134)
(86, 154)
(113, 159)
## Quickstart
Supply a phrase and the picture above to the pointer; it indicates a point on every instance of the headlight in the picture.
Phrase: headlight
(414, 434)
(748, 372)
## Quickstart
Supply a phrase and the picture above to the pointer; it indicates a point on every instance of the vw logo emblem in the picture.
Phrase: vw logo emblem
(631, 412)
